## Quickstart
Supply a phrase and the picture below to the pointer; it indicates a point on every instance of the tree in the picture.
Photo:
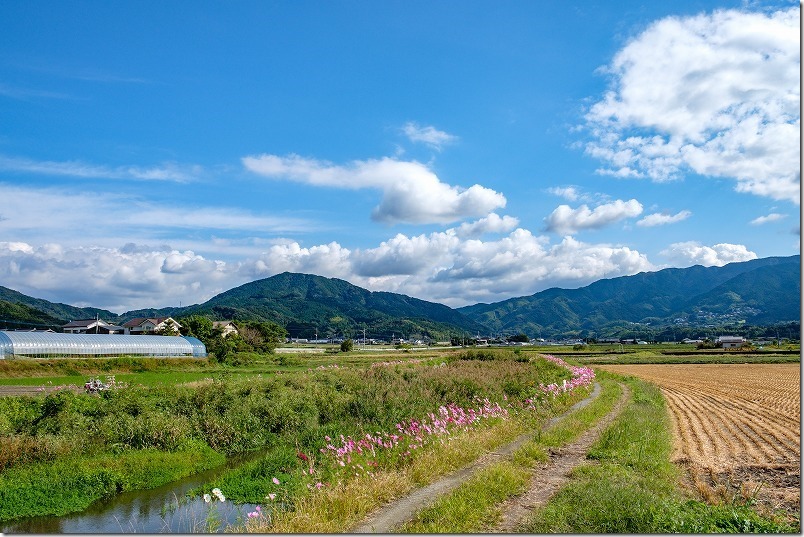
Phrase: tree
(263, 336)
(198, 327)
(519, 338)
(169, 328)
(347, 345)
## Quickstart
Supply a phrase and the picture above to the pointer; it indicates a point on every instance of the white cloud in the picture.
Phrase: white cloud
(58, 214)
(566, 220)
(569, 193)
(440, 267)
(772, 217)
(661, 219)
(412, 193)
(428, 135)
(493, 223)
(715, 94)
(169, 171)
(684, 254)
(117, 279)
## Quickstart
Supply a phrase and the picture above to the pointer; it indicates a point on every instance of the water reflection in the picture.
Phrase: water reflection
(165, 509)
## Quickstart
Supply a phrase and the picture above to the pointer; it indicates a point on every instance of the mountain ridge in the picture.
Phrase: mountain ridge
(762, 291)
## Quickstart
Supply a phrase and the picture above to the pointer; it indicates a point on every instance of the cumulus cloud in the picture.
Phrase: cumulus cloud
(493, 223)
(444, 267)
(685, 254)
(772, 217)
(117, 279)
(661, 219)
(440, 266)
(411, 192)
(715, 94)
(428, 135)
(569, 193)
(566, 220)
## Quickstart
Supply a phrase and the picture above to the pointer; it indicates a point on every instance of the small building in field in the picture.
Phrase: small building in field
(91, 326)
(227, 328)
(730, 342)
(148, 325)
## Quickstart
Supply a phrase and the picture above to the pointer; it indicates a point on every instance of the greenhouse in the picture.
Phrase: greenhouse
(52, 345)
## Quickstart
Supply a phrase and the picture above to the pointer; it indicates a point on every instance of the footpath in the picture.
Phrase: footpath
(550, 475)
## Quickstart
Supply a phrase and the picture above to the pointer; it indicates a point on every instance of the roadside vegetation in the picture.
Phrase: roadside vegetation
(474, 506)
(288, 412)
(103, 444)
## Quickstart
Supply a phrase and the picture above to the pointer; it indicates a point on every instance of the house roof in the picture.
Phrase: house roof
(83, 323)
(139, 321)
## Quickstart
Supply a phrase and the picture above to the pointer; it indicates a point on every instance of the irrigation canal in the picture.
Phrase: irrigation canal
(165, 509)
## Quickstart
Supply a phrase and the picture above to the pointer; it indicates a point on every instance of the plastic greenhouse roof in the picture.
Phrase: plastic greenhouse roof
(48, 343)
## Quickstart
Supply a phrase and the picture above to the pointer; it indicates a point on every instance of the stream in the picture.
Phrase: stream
(164, 509)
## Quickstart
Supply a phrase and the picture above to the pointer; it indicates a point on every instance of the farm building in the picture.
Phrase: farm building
(52, 345)
(730, 342)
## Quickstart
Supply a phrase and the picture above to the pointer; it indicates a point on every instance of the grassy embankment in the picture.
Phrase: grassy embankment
(86, 447)
(472, 507)
(629, 487)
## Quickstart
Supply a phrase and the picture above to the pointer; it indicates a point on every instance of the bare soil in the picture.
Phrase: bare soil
(736, 428)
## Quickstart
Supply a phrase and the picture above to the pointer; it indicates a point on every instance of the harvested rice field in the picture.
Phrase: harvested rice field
(736, 427)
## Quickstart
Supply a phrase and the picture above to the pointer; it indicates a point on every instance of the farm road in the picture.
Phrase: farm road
(404, 509)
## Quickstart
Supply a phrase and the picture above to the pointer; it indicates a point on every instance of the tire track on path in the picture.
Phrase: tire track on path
(554, 474)
(402, 510)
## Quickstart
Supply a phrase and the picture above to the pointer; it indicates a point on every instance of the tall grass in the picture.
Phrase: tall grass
(287, 413)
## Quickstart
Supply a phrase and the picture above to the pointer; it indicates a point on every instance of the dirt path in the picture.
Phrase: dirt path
(552, 475)
(34, 390)
(403, 510)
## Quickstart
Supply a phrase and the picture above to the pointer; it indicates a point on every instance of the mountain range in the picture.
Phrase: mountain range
(759, 292)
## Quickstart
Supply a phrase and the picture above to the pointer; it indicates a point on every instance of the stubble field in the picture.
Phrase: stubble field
(736, 427)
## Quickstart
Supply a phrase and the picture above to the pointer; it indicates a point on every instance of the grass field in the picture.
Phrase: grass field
(191, 415)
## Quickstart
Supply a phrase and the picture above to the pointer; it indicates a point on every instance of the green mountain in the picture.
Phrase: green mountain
(759, 292)
(762, 291)
(307, 305)
(51, 312)
(15, 315)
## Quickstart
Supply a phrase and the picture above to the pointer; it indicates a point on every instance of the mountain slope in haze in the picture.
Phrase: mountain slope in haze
(759, 291)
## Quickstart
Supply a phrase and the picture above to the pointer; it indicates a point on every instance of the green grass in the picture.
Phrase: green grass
(633, 487)
(473, 506)
(67, 486)
(467, 509)
(236, 412)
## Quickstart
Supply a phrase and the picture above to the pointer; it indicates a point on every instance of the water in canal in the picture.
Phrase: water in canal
(161, 510)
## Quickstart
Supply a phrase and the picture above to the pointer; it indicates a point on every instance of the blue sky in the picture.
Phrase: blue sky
(157, 153)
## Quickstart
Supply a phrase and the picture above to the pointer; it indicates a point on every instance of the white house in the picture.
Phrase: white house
(148, 325)
(91, 326)
(730, 342)
(226, 327)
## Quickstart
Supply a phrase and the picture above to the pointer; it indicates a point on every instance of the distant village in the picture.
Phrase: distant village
(169, 326)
